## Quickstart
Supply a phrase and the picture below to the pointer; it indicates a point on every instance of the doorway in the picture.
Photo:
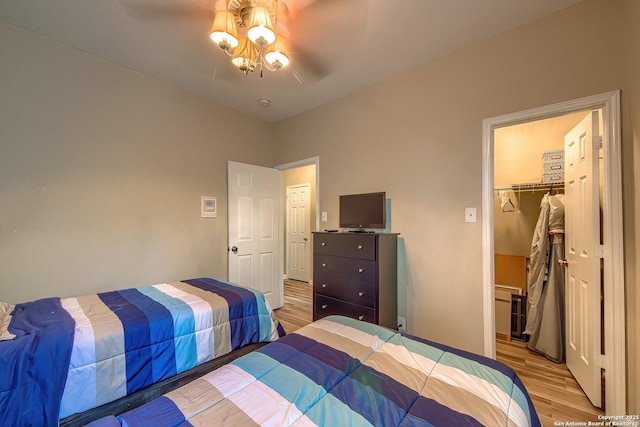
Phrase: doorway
(520, 184)
(614, 360)
(264, 207)
(533, 217)
(301, 218)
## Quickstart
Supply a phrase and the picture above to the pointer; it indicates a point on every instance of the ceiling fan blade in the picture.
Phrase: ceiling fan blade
(318, 51)
(313, 65)
(154, 10)
(306, 4)
(310, 6)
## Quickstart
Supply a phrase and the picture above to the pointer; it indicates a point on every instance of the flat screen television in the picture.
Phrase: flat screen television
(363, 210)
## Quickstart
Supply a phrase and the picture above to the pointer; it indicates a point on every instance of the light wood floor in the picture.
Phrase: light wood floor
(555, 393)
(553, 390)
(296, 311)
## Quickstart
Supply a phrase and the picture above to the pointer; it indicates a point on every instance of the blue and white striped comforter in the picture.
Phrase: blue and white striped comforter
(339, 371)
(127, 340)
(74, 354)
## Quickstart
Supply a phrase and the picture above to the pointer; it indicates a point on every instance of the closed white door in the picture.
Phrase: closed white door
(254, 256)
(298, 234)
(582, 216)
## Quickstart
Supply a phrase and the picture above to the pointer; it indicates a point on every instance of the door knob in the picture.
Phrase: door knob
(305, 239)
(234, 249)
(563, 262)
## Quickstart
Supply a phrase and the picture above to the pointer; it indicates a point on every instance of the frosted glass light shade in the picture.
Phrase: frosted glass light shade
(278, 54)
(260, 27)
(223, 31)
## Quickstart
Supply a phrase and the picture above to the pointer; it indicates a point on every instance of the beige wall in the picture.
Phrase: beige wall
(101, 173)
(418, 136)
(513, 231)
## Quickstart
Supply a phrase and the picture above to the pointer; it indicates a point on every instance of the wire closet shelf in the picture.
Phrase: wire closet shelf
(538, 186)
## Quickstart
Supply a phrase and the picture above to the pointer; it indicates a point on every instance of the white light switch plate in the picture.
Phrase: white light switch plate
(324, 216)
(470, 215)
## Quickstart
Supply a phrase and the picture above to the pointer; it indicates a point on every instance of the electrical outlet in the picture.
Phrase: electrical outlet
(402, 324)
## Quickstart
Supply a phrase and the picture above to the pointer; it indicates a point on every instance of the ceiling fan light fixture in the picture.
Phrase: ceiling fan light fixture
(223, 31)
(277, 55)
(244, 29)
(260, 27)
(244, 56)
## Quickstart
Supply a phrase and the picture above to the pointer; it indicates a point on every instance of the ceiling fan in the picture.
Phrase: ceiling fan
(264, 41)
(309, 38)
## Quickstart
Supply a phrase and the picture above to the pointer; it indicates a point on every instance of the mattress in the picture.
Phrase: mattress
(340, 371)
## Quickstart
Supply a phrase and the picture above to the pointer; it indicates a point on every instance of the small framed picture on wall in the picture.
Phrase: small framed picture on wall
(208, 207)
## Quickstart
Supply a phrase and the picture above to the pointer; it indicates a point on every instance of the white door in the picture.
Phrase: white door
(255, 258)
(582, 218)
(298, 235)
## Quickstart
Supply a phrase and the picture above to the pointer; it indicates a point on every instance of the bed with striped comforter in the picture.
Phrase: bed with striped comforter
(74, 354)
(339, 371)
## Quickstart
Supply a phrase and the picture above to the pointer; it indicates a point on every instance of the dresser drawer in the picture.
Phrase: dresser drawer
(361, 270)
(325, 306)
(345, 245)
(349, 290)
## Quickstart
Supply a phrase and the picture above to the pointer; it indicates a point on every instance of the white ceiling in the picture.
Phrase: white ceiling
(338, 46)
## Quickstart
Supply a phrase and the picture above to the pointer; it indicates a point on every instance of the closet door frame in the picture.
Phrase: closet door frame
(614, 297)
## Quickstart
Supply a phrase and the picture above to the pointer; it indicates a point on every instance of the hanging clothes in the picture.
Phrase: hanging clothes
(537, 264)
(506, 200)
(545, 314)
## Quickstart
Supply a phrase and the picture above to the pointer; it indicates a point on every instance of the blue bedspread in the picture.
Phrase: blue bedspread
(74, 354)
(30, 384)
(339, 371)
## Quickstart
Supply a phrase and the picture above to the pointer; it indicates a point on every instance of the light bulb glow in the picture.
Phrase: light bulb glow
(223, 31)
(278, 54)
(260, 28)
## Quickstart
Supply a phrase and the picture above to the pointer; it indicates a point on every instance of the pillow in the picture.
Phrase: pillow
(5, 317)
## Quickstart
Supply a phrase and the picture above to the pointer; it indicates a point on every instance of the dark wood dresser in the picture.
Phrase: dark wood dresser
(355, 275)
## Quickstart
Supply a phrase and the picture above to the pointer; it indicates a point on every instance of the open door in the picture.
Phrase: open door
(255, 255)
(582, 216)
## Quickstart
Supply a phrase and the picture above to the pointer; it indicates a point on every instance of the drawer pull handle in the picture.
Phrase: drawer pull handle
(361, 317)
(360, 294)
(360, 246)
(324, 306)
(324, 264)
(324, 285)
(323, 244)
(361, 270)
